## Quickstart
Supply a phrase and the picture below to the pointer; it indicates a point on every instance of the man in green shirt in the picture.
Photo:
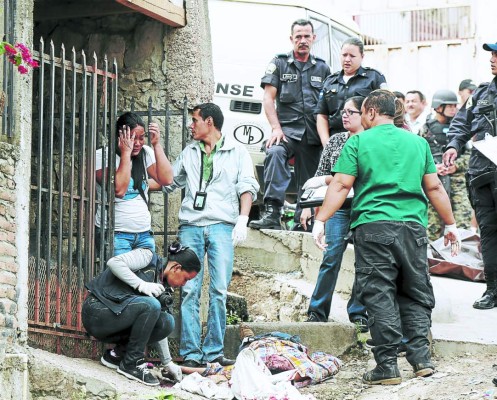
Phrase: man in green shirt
(392, 173)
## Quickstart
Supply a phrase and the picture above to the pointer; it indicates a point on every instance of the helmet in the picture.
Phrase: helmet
(442, 97)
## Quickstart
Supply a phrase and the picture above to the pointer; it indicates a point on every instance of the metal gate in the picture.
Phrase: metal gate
(74, 113)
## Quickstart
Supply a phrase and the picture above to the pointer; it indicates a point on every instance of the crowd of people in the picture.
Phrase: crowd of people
(347, 131)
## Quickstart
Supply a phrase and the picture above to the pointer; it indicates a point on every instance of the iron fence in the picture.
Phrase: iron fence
(74, 114)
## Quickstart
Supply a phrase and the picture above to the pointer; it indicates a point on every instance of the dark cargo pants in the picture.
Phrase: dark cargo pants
(393, 283)
(484, 201)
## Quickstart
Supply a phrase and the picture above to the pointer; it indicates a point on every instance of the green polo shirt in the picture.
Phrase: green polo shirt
(389, 164)
(208, 159)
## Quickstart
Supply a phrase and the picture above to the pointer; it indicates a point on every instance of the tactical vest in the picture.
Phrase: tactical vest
(436, 137)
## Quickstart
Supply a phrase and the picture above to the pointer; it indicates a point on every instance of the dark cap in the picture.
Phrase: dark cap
(467, 84)
(490, 46)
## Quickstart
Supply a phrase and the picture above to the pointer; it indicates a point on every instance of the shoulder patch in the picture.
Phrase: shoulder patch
(271, 68)
(285, 55)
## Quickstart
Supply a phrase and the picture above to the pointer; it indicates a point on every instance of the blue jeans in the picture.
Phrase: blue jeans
(126, 241)
(215, 240)
(337, 228)
(141, 323)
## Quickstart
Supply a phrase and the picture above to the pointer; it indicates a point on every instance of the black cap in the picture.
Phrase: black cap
(467, 84)
(490, 46)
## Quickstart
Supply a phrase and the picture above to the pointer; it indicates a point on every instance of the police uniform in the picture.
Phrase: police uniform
(473, 120)
(336, 91)
(435, 134)
(298, 86)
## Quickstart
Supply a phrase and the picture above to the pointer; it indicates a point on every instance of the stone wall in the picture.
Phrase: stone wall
(154, 61)
(8, 253)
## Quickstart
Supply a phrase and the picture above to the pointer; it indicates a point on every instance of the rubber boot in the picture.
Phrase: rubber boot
(386, 373)
(271, 217)
(489, 298)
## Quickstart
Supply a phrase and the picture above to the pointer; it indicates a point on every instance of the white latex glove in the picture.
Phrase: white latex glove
(171, 370)
(315, 182)
(451, 234)
(150, 288)
(239, 234)
(318, 234)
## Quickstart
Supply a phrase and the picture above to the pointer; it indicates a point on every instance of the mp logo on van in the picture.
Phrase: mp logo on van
(248, 133)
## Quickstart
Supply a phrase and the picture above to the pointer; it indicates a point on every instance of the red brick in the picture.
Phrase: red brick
(8, 249)
(8, 195)
(8, 264)
(8, 278)
(7, 237)
(6, 225)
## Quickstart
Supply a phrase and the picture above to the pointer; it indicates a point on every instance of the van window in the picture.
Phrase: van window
(321, 46)
(337, 38)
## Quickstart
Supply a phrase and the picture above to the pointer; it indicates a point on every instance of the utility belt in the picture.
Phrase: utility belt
(484, 179)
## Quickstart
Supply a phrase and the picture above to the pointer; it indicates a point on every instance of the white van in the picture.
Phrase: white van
(246, 35)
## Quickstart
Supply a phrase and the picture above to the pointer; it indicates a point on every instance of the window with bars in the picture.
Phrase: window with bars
(403, 26)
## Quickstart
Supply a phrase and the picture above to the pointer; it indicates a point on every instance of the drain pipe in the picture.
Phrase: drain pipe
(23, 358)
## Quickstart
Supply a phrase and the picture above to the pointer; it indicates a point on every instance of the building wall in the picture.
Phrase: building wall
(431, 65)
(154, 61)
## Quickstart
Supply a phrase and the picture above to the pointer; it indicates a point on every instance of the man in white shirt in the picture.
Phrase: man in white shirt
(416, 113)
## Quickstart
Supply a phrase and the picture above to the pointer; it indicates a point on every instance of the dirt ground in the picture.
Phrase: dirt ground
(457, 378)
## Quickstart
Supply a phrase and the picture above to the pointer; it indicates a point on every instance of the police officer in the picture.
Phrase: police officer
(435, 130)
(352, 80)
(293, 82)
(477, 118)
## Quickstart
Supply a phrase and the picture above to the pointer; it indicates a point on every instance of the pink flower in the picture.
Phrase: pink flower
(10, 50)
(22, 69)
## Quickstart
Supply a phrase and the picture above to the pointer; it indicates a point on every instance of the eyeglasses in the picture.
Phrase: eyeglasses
(349, 112)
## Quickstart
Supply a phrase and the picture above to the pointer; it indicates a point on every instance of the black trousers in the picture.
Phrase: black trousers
(484, 201)
(141, 323)
(393, 283)
(277, 173)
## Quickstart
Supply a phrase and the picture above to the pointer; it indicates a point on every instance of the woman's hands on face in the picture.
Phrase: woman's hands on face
(154, 132)
(126, 140)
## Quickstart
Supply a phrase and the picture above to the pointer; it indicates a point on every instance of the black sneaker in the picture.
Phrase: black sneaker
(111, 359)
(139, 373)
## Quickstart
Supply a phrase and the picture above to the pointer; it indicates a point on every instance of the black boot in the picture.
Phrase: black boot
(271, 217)
(386, 373)
(489, 298)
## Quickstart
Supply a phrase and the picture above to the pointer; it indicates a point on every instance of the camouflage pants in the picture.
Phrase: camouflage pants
(459, 200)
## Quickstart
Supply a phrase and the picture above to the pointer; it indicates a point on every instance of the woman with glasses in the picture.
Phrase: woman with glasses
(129, 305)
(352, 80)
(135, 164)
(337, 227)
